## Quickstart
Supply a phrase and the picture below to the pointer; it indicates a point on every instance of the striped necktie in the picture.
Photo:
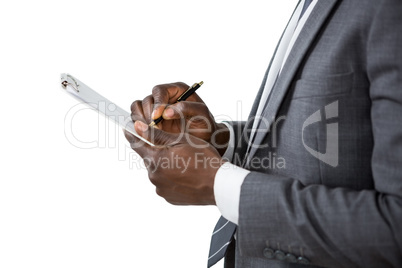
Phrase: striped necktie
(224, 230)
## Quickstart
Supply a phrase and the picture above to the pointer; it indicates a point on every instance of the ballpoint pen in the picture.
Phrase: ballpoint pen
(182, 97)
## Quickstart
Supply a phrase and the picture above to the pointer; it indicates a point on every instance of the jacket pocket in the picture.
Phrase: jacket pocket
(322, 86)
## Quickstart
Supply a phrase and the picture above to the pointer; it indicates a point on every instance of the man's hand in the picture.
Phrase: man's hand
(191, 116)
(181, 166)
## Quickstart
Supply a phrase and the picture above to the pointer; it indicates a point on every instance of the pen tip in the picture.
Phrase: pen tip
(202, 82)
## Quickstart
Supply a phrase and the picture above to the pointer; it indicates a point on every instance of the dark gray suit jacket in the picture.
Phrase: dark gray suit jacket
(336, 196)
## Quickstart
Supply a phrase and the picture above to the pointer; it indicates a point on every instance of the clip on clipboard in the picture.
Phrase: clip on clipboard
(90, 97)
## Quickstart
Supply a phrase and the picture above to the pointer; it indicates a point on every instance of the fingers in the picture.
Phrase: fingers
(158, 137)
(136, 111)
(166, 94)
(153, 106)
(147, 107)
(136, 144)
(186, 109)
(130, 137)
(140, 147)
(142, 110)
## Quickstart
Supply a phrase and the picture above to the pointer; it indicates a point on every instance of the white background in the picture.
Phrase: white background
(65, 206)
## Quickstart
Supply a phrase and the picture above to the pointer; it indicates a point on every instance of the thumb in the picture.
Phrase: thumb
(156, 136)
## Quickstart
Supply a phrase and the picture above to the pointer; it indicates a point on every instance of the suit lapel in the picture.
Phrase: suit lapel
(306, 37)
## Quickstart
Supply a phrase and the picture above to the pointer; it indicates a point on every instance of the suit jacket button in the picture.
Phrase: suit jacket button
(268, 253)
(291, 258)
(302, 260)
(280, 255)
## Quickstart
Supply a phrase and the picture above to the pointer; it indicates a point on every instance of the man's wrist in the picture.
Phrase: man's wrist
(227, 188)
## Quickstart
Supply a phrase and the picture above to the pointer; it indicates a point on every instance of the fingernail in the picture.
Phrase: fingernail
(168, 113)
(153, 114)
(142, 126)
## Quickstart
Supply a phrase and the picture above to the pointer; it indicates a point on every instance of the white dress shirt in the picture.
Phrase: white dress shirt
(229, 178)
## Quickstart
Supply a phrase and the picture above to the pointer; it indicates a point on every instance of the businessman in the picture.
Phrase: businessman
(314, 177)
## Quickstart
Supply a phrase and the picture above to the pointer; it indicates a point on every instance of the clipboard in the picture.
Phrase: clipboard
(84, 94)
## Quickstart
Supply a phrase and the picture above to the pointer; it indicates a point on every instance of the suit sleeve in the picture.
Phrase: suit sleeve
(339, 227)
(237, 130)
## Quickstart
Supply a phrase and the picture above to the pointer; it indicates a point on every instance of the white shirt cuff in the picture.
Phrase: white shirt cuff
(227, 188)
